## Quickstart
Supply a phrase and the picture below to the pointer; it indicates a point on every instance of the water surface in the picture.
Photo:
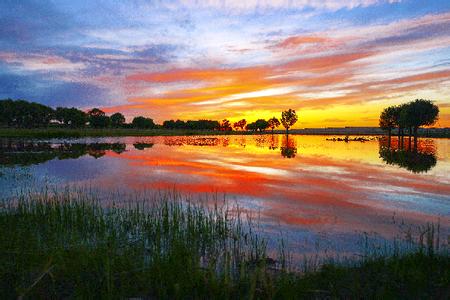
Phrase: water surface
(306, 188)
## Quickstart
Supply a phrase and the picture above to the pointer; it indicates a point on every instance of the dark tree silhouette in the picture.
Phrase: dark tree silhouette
(143, 123)
(225, 125)
(20, 113)
(273, 123)
(388, 121)
(251, 126)
(411, 115)
(72, 117)
(261, 124)
(240, 124)
(95, 112)
(117, 120)
(98, 118)
(421, 113)
(288, 119)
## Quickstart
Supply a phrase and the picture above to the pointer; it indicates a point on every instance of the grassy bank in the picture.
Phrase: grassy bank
(55, 132)
(108, 132)
(68, 246)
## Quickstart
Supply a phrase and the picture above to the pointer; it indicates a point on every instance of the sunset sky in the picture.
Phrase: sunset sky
(338, 63)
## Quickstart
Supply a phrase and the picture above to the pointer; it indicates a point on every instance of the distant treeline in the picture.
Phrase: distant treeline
(24, 114)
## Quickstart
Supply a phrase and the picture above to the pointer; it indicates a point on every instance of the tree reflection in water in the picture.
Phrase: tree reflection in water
(32, 153)
(288, 149)
(417, 160)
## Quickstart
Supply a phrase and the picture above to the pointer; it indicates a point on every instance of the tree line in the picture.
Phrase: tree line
(408, 116)
(24, 114)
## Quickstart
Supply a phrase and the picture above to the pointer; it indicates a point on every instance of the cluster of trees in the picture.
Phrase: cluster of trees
(411, 116)
(288, 119)
(24, 114)
(21, 113)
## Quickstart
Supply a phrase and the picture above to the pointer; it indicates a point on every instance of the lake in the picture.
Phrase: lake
(317, 194)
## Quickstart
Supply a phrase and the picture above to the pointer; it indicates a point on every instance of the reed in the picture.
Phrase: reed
(66, 245)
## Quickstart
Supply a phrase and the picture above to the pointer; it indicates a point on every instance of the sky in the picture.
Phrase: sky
(337, 63)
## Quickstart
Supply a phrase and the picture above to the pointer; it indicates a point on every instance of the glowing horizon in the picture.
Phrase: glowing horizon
(336, 63)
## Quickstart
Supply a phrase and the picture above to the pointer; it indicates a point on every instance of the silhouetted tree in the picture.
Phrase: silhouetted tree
(273, 123)
(240, 124)
(21, 113)
(388, 121)
(117, 120)
(72, 117)
(251, 126)
(261, 124)
(288, 119)
(169, 124)
(98, 118)
(142, 122)
(179, 124)
(421, 113)
(225, 125)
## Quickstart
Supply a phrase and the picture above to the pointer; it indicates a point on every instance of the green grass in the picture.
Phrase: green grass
(65, 245)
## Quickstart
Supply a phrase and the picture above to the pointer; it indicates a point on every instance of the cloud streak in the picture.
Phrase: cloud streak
(192, 59)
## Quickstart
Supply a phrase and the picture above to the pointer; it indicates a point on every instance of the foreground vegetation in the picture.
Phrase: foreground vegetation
(66, 245)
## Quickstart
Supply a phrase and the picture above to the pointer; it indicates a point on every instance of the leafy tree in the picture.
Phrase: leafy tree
(225, 125)
(179, 124)
(420, 113)
(388, 120)
(240, 124)
(143, 122)
(117, 120)
(6, 112)
(95, 112)
(72, 117)
(98, 118)
(288, 119)
(21, 113)
(261, 124)
(169, 124)
(273, 123)
(251, 126)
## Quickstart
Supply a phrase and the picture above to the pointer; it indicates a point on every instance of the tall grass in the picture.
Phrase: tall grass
(67, 245)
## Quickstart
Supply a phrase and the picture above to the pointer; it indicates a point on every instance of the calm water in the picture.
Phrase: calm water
(314, 192)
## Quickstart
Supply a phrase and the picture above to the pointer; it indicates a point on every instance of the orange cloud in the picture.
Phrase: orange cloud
(295, 41)
(327, 77)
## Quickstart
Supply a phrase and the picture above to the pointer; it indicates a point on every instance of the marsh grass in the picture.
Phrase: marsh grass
(66, 245)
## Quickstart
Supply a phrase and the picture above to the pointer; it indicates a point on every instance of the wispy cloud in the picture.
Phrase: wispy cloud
(217, 59)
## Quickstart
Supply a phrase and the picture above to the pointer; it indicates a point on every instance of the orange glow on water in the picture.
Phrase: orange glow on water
(324, 184)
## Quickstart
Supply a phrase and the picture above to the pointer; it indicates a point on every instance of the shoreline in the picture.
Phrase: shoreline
(114, 132)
